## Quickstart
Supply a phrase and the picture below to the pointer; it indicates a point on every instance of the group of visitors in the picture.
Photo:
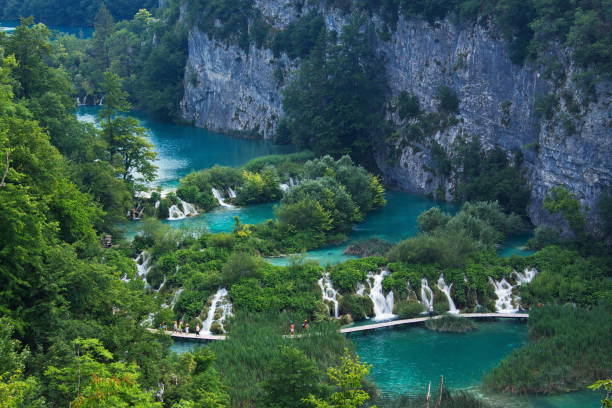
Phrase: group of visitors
(305, 327)
(179, 327)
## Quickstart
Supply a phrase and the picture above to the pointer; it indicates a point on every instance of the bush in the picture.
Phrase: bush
(449, 249)
(408, 105)
(448, 101)
(359, 307)
(432, 219)
(408, 309)
(369, 247)
(450, 323)
(441, 305)
(242, 265)
(543, 236)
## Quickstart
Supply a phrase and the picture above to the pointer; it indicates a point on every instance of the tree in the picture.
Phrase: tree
(92, 380)
(336, 103)
(347, 379)
(129, 151)
(559, 200)
(293, 375)
(104, 25)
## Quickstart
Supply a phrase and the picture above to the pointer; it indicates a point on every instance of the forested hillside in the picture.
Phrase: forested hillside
(70, 13)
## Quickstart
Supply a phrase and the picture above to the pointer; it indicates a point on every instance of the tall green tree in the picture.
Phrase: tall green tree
(129, 151)
(336, 103)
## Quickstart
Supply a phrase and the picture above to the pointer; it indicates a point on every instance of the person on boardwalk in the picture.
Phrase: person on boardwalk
(198, 328)
(305, 325)
(175, 327)
(292, 329)
(187, 328)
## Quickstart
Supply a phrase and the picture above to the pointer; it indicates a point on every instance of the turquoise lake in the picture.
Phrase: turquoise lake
(404, 360)
(182, 149)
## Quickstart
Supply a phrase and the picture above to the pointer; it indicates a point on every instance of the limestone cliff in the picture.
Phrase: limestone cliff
(232, 90)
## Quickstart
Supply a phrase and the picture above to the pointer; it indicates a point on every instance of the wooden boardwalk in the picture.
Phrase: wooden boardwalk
(392, 323)
(189, 336)
(366, 327)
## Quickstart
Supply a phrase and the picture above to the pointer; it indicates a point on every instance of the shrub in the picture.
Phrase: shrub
(359, 307)
(448, 101)
(450, 323)
(242, 265)
(408, 309)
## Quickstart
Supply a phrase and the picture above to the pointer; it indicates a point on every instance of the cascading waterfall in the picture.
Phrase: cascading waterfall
(329, 293)
(284, 187)
(231, 193)
(175, 213)
(503, 291)
(383, 305)
(217, 194)
(507, 302)
(143, 264)
(219, 302)
(446, 289)
(427, 296)
(176, 297)
(525, 277)
(360, 289)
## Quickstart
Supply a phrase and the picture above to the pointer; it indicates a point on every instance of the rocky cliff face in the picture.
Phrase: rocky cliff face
(232, 90)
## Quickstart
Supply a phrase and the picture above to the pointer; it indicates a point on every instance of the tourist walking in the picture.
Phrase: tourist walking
(187, 328)
(292, 329)
(175, 326)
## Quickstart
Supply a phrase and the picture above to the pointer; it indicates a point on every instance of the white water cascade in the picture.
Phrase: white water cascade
(329, 293)
(446, 290)
(383, 305)
(231, 193)
(219, 302)
(427, 296)
(175, 212)
(217, 194)
(507, 302)
(143, 264)
(360, 289)
(176, 297)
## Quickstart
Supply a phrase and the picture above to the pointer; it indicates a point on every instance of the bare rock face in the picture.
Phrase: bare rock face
(229, 89)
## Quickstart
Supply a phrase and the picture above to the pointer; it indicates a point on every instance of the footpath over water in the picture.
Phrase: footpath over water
(392, 323)
(366, 327)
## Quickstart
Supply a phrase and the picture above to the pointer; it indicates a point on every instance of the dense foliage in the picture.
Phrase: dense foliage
(336, 103)
(147, 52)
(70, 13)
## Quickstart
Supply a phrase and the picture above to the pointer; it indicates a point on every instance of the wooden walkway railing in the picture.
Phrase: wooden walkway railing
(365, 327)
(392, 323)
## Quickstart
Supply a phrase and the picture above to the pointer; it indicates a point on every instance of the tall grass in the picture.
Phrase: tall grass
(570, 349)
(244, 358)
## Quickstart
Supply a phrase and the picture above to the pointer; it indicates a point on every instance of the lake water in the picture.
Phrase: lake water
(182, 149)
(405, 360)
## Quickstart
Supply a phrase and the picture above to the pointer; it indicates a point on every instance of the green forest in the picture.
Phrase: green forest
(86, 324)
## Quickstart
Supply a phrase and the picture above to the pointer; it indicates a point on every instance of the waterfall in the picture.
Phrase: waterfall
(220, 199)
(360, 289)
(507, 302)
(231, 193)
(284, 187)
(525, 277)
(446, 290)
(329, 293)
(221, 302)
(101, 100)
(175, 213)
(143, 264)
(383, 305)
(427, 296)
(176, 297)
